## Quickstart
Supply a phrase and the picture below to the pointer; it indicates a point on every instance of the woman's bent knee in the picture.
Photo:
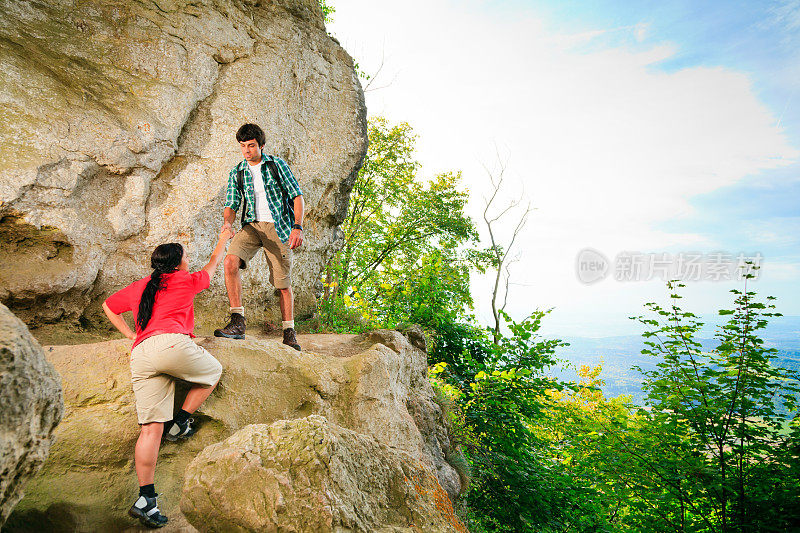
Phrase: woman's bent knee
(152, 428)
(218, 373)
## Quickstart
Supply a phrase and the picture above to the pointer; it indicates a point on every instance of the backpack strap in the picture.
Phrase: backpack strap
(273, 167)
(286, 200)
(240, 186)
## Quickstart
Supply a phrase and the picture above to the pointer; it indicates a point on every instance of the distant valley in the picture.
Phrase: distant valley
(618, 354)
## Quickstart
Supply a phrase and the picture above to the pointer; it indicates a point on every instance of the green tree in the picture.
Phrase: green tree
(577, 427)
(402, 259)
(327, 11)
(505, 391)
(711, 449)
(715, 449)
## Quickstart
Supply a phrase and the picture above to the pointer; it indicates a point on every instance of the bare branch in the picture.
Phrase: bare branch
(501, 262)
(368, 87)
(508, 277)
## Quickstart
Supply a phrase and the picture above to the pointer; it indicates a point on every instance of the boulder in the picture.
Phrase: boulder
(31, 405)
(118, 133)
(375, 385)
(311, 475)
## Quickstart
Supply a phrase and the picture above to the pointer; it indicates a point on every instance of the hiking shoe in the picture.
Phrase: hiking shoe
(146, 510)
(290, 339)
(179, 431)
(234, 329)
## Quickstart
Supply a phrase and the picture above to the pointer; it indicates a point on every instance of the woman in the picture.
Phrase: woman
(163, 312)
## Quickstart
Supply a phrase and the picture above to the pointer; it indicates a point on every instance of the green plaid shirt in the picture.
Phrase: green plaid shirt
(280, 196)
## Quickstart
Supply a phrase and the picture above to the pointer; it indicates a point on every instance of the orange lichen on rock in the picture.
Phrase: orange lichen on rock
(427, 485)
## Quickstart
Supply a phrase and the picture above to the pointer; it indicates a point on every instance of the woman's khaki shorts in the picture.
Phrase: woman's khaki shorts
(257, 235)
(156, 361)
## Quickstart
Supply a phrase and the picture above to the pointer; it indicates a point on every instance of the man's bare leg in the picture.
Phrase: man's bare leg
(287, 304)
(287, 313)
(233, 280)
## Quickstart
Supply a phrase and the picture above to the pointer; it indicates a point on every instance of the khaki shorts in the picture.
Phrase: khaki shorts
(156, 361)
(257, 235)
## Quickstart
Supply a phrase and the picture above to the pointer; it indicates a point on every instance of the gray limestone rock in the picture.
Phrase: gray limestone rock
(310, 475)
(374, 385)
(31, 406)
(118, 133)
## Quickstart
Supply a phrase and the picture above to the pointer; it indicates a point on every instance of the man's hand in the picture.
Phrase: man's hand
(226, 233)
(295, 238)
(229, 227)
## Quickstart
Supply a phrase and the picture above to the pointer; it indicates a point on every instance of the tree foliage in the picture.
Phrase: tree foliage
(403, 239)
(721, 420)
(715, 448)
(503, 393)
(327, 11)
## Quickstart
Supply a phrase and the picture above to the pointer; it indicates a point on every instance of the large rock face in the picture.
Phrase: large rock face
(311, 475)
(117, 132)
(375, 385)
(31, 406)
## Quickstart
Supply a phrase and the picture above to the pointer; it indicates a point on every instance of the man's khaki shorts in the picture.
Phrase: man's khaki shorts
(156, 361)
(257, 235)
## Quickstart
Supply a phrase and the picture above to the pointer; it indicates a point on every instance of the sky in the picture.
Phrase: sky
(639, 134)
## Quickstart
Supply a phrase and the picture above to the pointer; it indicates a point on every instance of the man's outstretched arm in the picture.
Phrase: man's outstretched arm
(296, 236)
(228, 218)
(233, 199)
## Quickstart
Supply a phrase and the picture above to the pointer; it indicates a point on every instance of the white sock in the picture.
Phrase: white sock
(239, 310)
(288, 324)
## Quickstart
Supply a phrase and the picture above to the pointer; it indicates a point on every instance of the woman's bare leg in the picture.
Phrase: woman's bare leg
(196, 396)
(146, 452)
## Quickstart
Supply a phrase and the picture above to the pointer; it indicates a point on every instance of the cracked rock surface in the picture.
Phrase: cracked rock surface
(118, 130)
(374, 385)
(31, 406)
(311, 475)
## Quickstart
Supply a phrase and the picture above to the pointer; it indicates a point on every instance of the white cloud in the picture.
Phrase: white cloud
(604, 143)
(785, 16)
(780, 271)
(783, 231)
(640, 31)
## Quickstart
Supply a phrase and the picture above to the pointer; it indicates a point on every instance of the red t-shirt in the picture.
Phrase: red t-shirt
(173, 310)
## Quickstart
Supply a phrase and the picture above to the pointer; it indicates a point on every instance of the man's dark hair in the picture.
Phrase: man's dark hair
(249, 132)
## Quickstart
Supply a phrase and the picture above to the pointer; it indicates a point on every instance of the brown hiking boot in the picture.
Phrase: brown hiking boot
(234, 329)
(290, 339)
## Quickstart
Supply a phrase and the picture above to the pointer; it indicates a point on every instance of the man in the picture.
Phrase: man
(272, 219)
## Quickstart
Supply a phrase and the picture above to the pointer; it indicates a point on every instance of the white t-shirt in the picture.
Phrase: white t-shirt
(263, 213)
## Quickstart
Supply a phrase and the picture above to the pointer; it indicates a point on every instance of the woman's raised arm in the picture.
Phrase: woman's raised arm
(219, 252)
